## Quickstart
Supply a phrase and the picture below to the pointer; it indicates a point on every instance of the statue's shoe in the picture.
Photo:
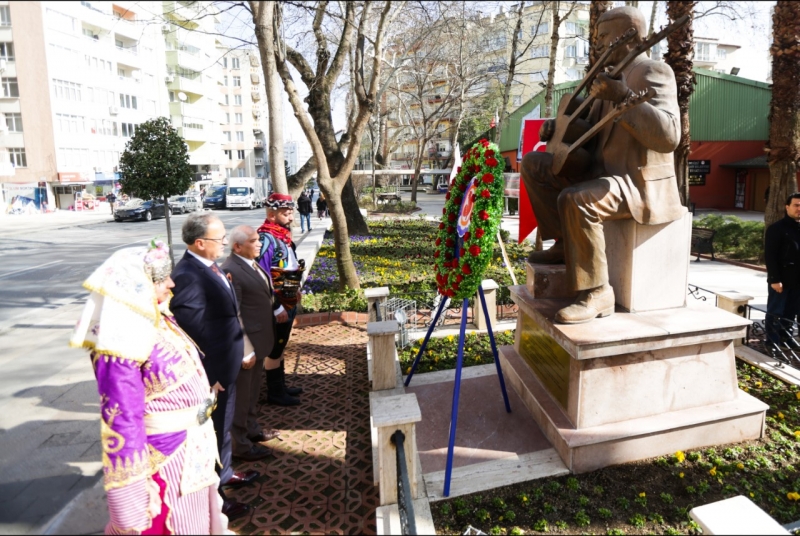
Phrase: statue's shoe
(592, 303)
(554, 255)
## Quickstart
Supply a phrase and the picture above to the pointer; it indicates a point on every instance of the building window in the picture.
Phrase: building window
(569, 51)
(240, 172)
(542, 29)
(722, 54)
(225, 80)
(539, 76)
(239, 135)
(229, 154)
(5, 16)
(7, 51)
(240, 154)
(238, 118)
(540, 51)
(226, 99)
(497, 42)
(234, 63)
(237, 81)
(224, 62)
(127, 101)
(10, 87)
(14, 122)
(18, 157)
(63, 89)
(128, 129)
(227, 118)
(237, 100)
(516, 100)
(228, 135)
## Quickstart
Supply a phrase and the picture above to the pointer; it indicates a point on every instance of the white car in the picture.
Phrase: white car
(181, 204)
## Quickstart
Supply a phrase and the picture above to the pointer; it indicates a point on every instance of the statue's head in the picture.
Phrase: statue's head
(615, 22)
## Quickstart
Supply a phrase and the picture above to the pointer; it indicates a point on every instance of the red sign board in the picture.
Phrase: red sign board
(69, 177)
(530, 142)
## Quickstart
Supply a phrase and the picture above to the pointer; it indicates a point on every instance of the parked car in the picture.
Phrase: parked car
(138, 209)
(215, 197)
(182, 204)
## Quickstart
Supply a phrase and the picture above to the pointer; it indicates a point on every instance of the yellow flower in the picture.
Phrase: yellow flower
(713, 471)
(524, 498)
(780, 415)
(752, 494)
(797, 395)
(680, 475)
(450, 338)
(793, 496)
(740, 465)
(758, 384)
(642, 494)
(680, 456)
(797, 433)
(408, 370)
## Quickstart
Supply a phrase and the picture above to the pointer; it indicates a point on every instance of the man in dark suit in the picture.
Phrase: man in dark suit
(205, 307)
(253, 291)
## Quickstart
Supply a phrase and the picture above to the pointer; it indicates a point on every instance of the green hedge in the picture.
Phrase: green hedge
(734, 238)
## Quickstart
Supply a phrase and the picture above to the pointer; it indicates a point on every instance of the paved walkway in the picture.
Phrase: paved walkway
(320, 479)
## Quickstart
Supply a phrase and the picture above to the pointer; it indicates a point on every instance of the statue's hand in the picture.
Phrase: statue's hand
(547, 130)
(609, 89)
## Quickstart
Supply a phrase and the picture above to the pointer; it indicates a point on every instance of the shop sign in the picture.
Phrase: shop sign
(70, 176)
(697, 179)
(699, 167)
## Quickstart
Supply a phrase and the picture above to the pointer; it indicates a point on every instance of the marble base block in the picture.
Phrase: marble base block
(648, 265)
(632, 385)
(548, 281)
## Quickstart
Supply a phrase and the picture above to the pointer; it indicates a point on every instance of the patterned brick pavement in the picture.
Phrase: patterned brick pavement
(320, 478)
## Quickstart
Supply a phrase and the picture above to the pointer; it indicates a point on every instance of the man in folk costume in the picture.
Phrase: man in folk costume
(278, 258)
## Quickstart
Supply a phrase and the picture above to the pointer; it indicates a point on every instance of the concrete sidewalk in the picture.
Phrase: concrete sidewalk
(13, 225)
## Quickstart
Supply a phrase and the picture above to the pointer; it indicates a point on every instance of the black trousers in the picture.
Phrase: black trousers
(282, 332)
(223, 421)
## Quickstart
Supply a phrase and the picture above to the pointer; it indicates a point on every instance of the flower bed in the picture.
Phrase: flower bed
(656, 495)
(397, 254)
(441, 353)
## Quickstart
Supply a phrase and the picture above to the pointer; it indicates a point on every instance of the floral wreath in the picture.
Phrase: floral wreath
(479, 183)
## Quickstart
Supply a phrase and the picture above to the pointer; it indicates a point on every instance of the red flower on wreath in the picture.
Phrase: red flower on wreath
(444, 210)
(441, 225)
(487, 178)
(450, 229)
(438, 241)
(491, 162)
(448, 256)
(466, 269)
(447, 196)
(466, 237)
(474, 250)
(459, 278)
(449, 243)
(488, 153)
(462, 252)
(458, 169)
(436, 253)
(483, 215)
(457, 200)
(486, 194)
(479, 233)
(476, 169)
(462, 186)
(451, 217)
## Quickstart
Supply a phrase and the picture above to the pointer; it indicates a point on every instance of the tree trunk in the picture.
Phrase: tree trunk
(265, 36)
(417, 170)
(356, 224)
(348, 278)
(169, 230)
(596, 9)
(680, 51)
(551, 70)
(783, 147)
(512, 67)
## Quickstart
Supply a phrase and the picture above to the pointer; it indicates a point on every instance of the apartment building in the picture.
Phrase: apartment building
(296, 154)
(709, 53)
(241, 103)
(78, 77)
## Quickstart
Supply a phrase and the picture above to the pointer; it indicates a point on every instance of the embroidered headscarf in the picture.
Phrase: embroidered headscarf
(122, 313)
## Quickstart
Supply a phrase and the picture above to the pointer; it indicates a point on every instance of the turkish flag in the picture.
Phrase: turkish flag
(530, 142)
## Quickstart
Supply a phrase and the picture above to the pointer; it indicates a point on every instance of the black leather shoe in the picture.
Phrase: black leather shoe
(234, 510)
(257, 452)
(264, 436)
(242, 478)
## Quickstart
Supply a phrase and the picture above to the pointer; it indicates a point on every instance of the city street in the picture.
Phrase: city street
(49, 432)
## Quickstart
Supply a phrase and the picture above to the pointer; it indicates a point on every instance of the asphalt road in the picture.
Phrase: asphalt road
(44, 270)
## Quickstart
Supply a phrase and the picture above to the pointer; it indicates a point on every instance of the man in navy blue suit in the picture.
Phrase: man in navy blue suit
(204, 305)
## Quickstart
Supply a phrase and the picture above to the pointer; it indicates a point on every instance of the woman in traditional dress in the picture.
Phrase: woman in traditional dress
(159, 448)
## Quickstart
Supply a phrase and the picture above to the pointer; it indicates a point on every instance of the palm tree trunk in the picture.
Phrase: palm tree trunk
(783, 147)
(680, 55)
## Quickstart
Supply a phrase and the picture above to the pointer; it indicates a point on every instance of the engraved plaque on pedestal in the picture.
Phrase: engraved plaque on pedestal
(548, 360)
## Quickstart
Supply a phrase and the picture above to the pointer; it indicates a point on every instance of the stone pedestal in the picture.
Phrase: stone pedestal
(648, 265)
(632, 385)
(376, 299)
(489, 287)
(548, 281)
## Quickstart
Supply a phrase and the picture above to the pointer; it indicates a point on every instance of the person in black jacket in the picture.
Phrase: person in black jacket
(782, 253)
(304, 208)
(322, 207)
(205, 307)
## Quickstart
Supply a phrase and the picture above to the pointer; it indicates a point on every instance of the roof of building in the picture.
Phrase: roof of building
(759, 162)
(723, 107)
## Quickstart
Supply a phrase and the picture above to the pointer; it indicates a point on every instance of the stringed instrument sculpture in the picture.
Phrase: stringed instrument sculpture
(571, 130)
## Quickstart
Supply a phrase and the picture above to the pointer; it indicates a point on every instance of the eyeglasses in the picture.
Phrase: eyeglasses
(221, 240)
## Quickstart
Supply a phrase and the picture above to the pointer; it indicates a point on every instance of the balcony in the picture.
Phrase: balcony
(181, 12)
(179, 58)
(258, 144)
(195, 134)
(259, 161)
(188, 85)
(126, 28)
(128, 56)
(93, 15)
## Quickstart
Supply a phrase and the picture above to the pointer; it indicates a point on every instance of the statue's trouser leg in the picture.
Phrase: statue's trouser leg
(583, 208)
(543, 189)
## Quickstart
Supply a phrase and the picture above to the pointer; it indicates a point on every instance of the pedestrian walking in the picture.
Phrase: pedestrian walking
(205, 307)
(782, 254)
(159, 449)
(112, 199)
(304, 208)
(322, 206)
(253, 290)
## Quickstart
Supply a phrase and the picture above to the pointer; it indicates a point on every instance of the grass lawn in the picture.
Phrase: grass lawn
(651, 496)
(398, 254)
